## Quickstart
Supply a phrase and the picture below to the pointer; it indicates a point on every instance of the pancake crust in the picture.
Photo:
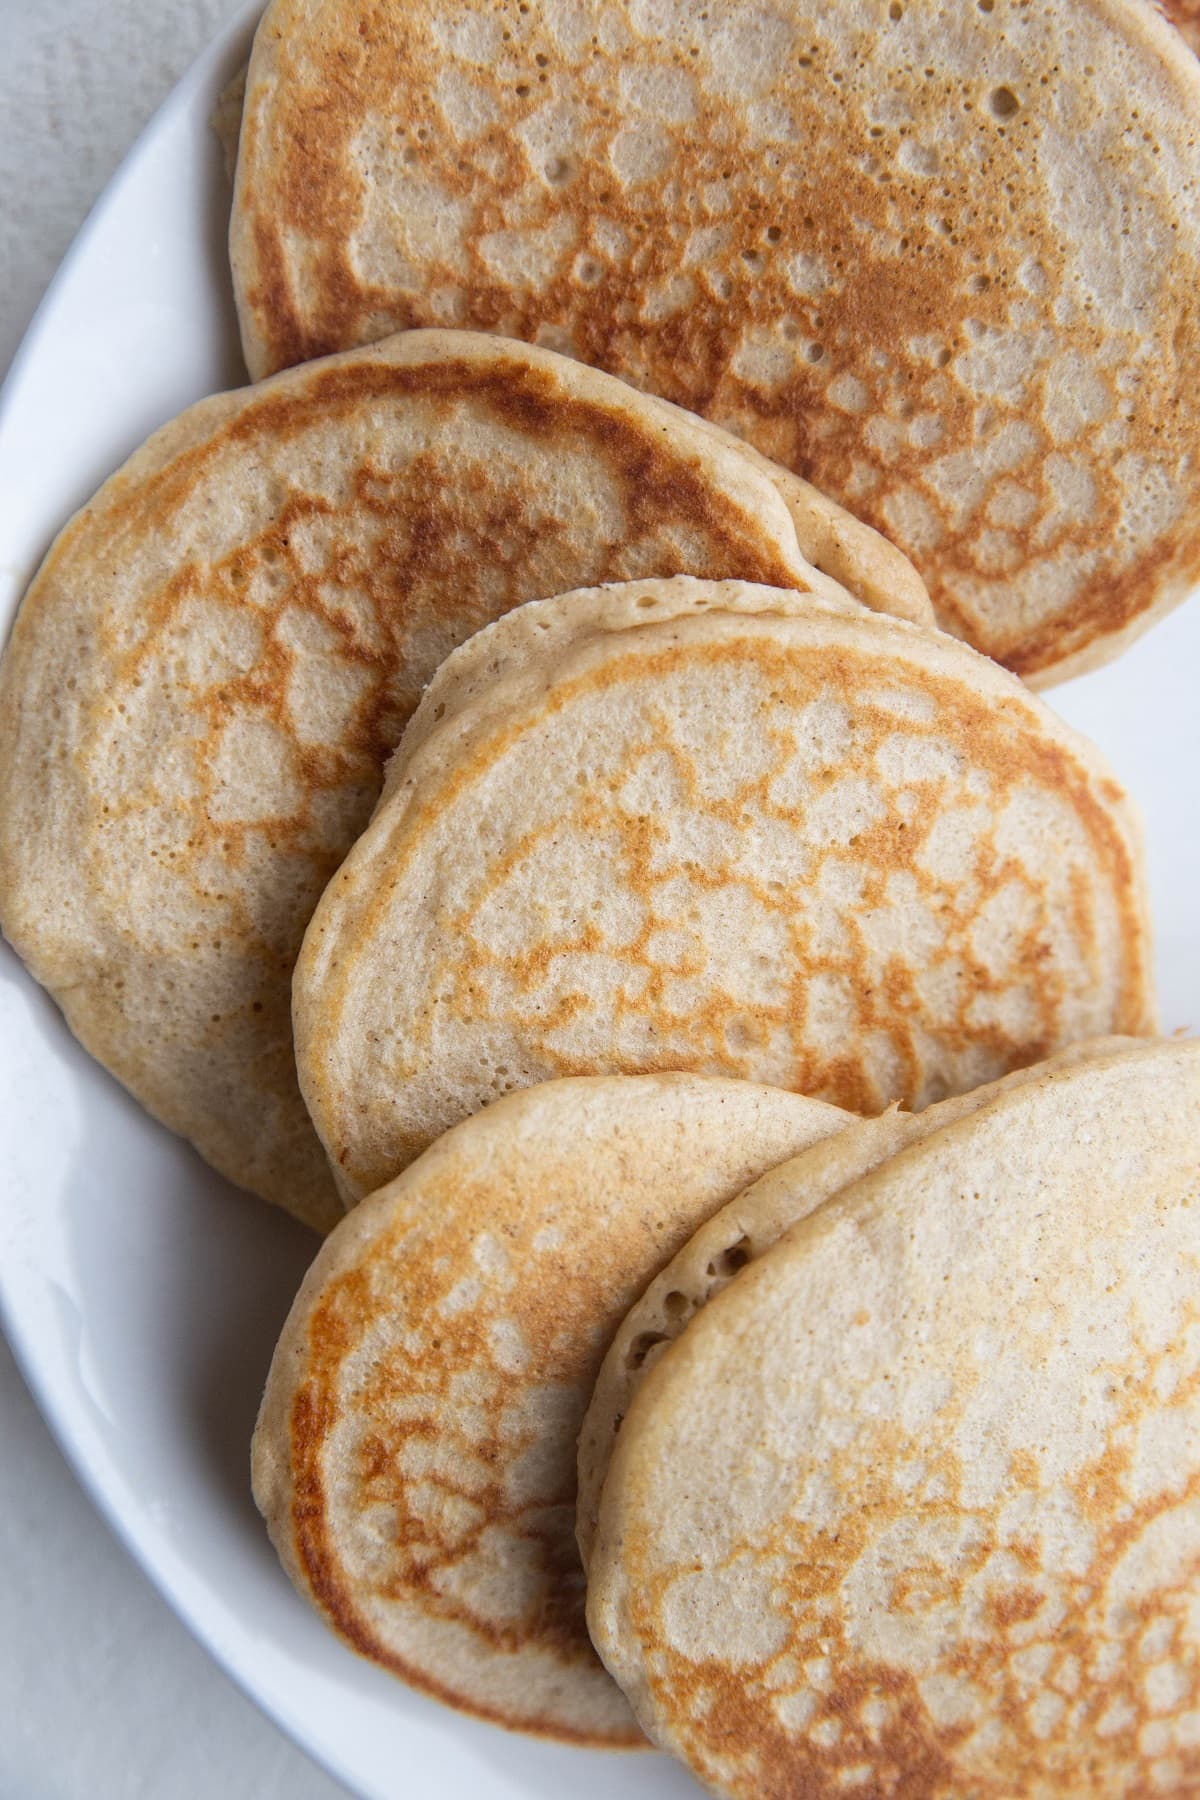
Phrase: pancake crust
(943, 259)
(221, 650)
(742, 1232)
(415, 1451)
(913, 1507)
(834, 853)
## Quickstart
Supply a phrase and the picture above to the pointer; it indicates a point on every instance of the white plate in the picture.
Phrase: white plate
(140, 1293)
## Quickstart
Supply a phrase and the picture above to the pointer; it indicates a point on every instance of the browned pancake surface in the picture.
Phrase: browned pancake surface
(940, 259)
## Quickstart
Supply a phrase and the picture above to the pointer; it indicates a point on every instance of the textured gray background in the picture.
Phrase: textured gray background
(103, 1695)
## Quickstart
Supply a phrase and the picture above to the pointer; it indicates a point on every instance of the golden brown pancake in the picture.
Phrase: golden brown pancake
(940, 258)
(222, 648)
(816, 848)
(913, 1506)
(415, 1451)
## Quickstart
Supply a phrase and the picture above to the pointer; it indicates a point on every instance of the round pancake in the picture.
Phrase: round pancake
(415, 1451)
(942, 260)
(221, 650)
(743, 1231)
(834, 853)
(913, 1507)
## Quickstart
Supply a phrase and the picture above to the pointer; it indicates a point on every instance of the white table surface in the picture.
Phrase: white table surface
(103, 1695)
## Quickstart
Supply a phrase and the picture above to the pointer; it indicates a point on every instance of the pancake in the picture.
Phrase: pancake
(415, 1451)
(943, 261)
(221, 650)
(829, 852)
(742, 1232)
(913, 1507)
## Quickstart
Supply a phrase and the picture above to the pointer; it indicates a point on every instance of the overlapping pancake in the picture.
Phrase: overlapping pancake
(415, 1451)
(745, 1230)
(865, 562)
(943, 259)
(509, 661)
(220, 651)
(913, 1506)
(831, 852)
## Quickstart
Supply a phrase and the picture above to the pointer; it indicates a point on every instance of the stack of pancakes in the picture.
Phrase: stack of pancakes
(550, 794)
(888, 1481)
